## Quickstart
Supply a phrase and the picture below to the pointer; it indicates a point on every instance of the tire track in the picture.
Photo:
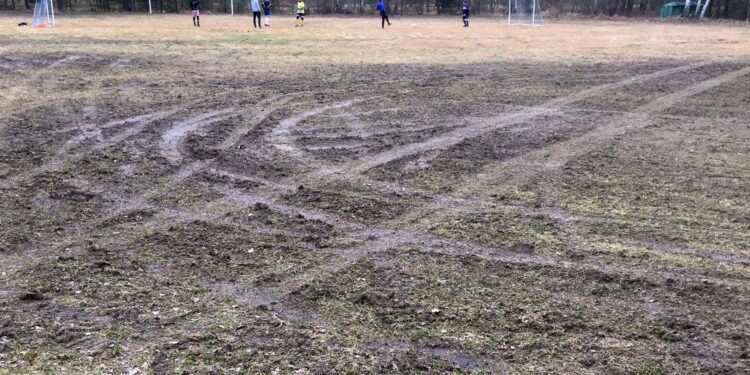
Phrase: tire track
(393, 237)
(456, 136)
(253, 118)
(374, 239)
(548, 162)
(135, 125)
(280, 135)
(173, 137)
(127, 202)
(551, 158)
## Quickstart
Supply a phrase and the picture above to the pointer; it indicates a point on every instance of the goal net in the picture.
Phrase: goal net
(44, 13)
(525, 12)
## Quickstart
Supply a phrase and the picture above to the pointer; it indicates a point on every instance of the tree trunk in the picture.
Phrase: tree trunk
(747, 17)
(613, 7)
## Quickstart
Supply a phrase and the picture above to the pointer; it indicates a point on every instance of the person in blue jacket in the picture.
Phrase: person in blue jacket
(466, 8)
(383, 9)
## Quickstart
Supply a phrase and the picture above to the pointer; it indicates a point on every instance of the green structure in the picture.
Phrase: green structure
(675, 8)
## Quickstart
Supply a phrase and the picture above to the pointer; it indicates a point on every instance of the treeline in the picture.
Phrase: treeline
(727, 9)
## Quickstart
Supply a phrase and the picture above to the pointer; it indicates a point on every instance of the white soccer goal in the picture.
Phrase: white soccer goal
(525, 12)
(44, 13)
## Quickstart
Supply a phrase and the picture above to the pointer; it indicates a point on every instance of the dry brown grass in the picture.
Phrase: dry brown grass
(326, 40)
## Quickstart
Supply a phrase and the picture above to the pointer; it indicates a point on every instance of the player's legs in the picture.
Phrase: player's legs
(268, 20)
(384, 19)
(196, 18)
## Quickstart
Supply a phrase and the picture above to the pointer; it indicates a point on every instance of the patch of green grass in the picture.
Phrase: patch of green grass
(648, 368)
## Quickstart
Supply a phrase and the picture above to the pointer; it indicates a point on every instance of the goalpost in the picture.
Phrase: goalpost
(525, 12)
(44, 13)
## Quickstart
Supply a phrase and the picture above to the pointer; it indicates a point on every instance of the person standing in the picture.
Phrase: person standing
(195, 9)
(300, 13)
(255, 7)
(466, 8)
(383, 9)
(267, 11)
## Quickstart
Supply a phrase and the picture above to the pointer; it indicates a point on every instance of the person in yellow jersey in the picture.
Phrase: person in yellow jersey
(300, 13)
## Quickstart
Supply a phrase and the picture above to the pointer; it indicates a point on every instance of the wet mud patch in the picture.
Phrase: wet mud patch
(105, 167)
(205, 144)
(265, 247)
(29, 141)
(350, 202)
(40, 211)
(253, 156)
(372, 132)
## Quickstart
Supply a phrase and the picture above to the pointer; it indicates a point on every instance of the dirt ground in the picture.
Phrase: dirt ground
(339, 198)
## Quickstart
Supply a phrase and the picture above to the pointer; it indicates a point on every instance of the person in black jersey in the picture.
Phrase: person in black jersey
(195, 8)
(466, 9)
(267, 11)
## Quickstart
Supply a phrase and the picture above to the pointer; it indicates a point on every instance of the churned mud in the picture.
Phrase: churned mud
(495, 217)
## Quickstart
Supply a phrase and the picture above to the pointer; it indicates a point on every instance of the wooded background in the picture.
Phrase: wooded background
(727, 9)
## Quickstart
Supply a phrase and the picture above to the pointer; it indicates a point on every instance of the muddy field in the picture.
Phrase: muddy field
(345, 199)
